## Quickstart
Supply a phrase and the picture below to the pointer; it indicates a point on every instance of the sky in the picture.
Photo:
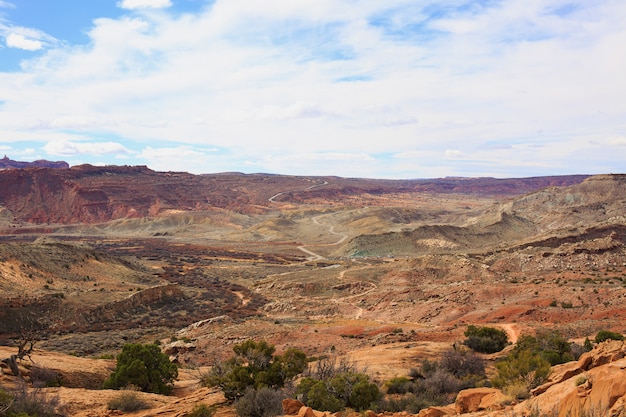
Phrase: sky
(354, 88)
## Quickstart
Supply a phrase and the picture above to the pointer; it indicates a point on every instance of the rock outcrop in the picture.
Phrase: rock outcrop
(477, 399)
(596, 383)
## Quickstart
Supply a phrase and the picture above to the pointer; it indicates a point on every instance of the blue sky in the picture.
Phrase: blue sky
(356, 88)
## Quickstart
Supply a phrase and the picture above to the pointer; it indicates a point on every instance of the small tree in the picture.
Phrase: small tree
(144, 366)
(485, 339)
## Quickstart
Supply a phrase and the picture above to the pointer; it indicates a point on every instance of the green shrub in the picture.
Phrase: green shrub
(262, 402)
(485, 339)
(127, 401)
(145, 367)
(552, 347)
(255, 366)
(603, 335)
(363, 393)
(399, 385)
(316, 395)
(345, 390)
(521, 366)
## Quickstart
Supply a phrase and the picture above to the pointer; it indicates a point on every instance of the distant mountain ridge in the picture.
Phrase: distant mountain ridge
(6, 163)
(91, 194)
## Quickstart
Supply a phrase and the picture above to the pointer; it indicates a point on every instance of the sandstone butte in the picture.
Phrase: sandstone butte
(594, 385)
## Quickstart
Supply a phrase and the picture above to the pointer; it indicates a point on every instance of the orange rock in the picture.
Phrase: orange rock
(448, 410)
(471, 400)
(306, 412)
(606, 352)
(292, 407)
(603, 393)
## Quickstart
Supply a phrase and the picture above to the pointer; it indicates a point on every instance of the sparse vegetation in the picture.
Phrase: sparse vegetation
(127, 401)
(581, 379)
(434, 382)
(255, 366)
(44, 377)
(201, 410)
(524, 367)
(25, 402)
(145, 367)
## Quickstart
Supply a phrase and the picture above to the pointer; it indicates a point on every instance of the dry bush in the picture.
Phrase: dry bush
(44, 377)
(34, 402)
(329, 367)
(127, 401)
(262, 402)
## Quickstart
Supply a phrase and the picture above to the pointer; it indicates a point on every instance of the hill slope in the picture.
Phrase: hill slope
(550, 212)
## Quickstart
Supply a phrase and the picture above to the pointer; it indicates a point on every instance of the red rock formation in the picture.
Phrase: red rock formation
(6, 163)
(89, 194)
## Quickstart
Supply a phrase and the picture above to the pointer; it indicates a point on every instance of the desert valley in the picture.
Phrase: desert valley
(386, 274)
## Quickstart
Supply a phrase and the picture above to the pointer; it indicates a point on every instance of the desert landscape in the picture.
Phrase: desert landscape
(387, 274)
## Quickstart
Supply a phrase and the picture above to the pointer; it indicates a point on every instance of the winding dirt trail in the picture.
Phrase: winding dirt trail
(331, 229)
(512, 331)
(272, 198)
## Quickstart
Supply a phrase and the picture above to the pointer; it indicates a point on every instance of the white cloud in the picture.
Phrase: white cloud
(67, 148)
(454, 154)
(144, 4)
(15, 40)
(286, 85)
(28, 39)
(614, 141)
(182, 158)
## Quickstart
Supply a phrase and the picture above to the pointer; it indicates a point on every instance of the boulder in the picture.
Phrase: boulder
(306, 412)
(476, 399)
(559, 374)
(291, 407)
(606, 352)
(599, 391)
